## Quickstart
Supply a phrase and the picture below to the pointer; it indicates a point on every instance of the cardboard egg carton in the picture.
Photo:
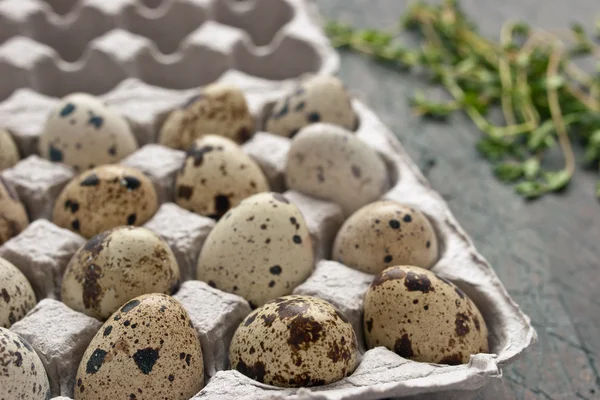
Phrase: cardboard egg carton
(147, 58)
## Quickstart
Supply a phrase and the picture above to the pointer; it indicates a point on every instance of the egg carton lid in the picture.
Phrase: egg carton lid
(263, 57)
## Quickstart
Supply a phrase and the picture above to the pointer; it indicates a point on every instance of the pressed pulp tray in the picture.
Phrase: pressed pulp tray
(146, 58)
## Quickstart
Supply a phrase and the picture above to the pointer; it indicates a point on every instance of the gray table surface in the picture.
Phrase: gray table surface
(545, 252)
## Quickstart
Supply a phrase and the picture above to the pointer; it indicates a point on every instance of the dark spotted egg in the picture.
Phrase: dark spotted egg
(216, 176)
(13, 216)
(386, 233)
(259, 250)
(9, 153)
(295, 341)
(318, 99)
(103, 198)
(115, 266)
(22, 374)
(83, 132)
(220, 109)
(423, 317)
(329, 162)
(148, 349)
(16, 294)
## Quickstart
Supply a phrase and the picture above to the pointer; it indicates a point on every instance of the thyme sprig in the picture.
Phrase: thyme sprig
(547, 100)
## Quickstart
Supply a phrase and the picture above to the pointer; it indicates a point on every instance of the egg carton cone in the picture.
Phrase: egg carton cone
(144, 59)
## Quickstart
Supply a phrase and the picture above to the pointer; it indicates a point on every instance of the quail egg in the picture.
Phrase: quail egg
(9, 153)
(22, 374)
(103, 198)
(115, 266)
(216, 176)
(423, 317)
(318, 99)
(259, 250)
(16, 294)
(148, 349)
(83, 132)
(386, 233)
(220, 109)
(13, 217)
(295, 341)
(328, 162)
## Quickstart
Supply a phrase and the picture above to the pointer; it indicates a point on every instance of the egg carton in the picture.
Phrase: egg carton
(262, 56)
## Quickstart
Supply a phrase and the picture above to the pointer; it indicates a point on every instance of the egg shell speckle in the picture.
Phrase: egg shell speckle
(423, 317)
(16, 294)
(318, 99)
(216, 176)
(259, 250)
(13, 217)
(329, 162)
(148, 349)
(386, 233)
(220, 109)
(104, 198)
(82, 132)
(22, 374)
(295, 341)
(115, 266)
(9, 153)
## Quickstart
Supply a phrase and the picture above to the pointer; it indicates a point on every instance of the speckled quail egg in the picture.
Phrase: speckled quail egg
(115, 266)
(423, 317)
(22, 374)
(103, 198)
(216, 176)
(220, 109)
(318, 99)
(386, 233)
(148, 349)
(295, 341)
(9, 153)
(13, 217)
(16, 294)
(259, 250)
(329, 162)
(83, 132)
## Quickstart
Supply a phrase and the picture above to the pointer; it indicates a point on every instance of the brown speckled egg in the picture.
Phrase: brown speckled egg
(259, 250)
(9, 153)
(295, 341)
(115, 266)
(329, 162)
(386, 233)
(83, 132)
(16, 294)
(423, 317)
(220, 109)
(13, 217)
(104, 198)
(216, 176)
(318, 99)
(148, 349)
(22, 374)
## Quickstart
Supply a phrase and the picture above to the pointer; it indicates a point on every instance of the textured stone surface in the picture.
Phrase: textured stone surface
(343, 287)
(185, 233)
(38, 183)
(323, 218)
(545, 252)
(160, 164)
(42, 252)
(215, 315)
(60, 337)
(270, 152)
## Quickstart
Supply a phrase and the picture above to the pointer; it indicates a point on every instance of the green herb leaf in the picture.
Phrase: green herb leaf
(531, 168)
(492, 149)
(509, 171)
(557, 180)
(598, 189)
(530, 189)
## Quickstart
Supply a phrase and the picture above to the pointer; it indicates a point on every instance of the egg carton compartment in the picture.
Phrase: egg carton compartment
(381, 373)
(57, 48)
